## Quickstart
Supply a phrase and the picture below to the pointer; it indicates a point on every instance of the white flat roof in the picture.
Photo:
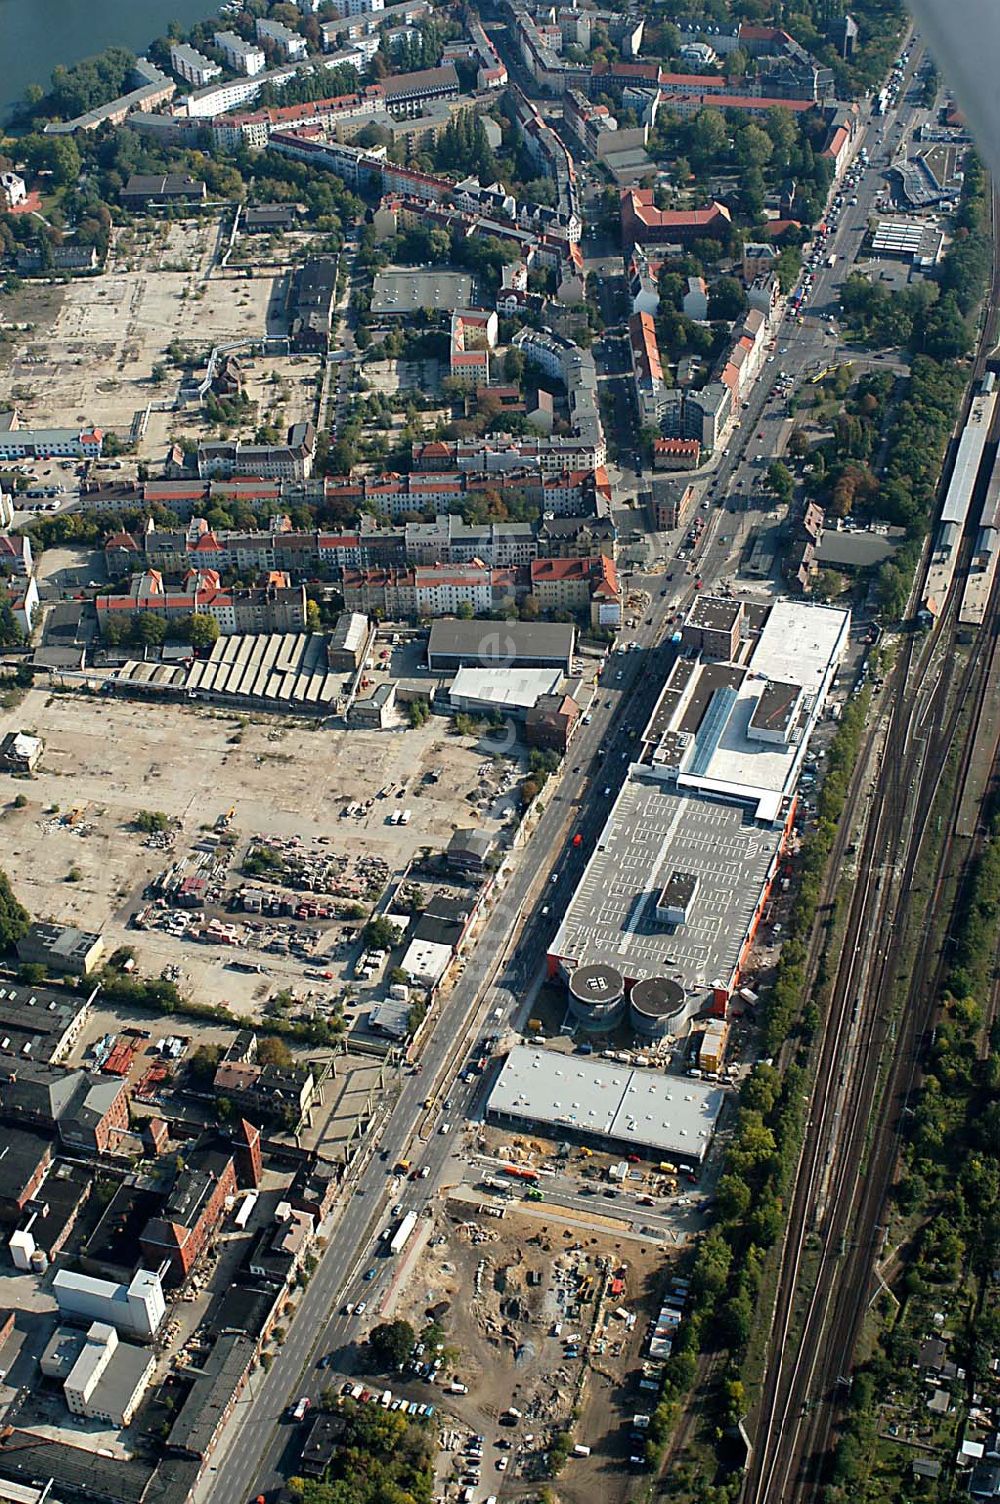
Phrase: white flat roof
(798, 643)
(641, 1109)
(519, 688)
(799, 647)
(426, 960)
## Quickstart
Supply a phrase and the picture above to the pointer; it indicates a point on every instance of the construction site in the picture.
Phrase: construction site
(549, 1327)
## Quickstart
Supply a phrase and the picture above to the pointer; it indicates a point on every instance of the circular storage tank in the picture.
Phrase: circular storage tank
(39, 1261)
(656, 1007)
(597, 997)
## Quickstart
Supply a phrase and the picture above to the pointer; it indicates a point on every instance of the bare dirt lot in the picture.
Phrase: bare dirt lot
(29, 310)
(94, 343)
(530, 1313)
(74, 855)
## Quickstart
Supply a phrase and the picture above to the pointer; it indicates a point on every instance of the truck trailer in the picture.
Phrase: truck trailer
(401, 1236)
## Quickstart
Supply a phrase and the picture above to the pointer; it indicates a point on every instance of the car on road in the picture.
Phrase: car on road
(361, 1308)
(370, 1274)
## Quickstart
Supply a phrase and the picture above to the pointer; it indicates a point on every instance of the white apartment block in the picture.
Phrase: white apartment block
(291, 46)
(241, 57)
(193, 66)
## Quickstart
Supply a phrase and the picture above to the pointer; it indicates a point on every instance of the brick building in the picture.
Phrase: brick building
(85, 1109)
(193, 1211)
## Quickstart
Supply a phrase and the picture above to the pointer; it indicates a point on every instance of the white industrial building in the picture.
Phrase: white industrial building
(740, 731)
(665, 915)
(135, 1309)
(103, 1379)
(426, 962)
(504, 691)
(608, 1104)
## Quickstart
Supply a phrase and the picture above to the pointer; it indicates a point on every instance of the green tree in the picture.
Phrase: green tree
(151, 820)
(380, 934)
(727, 300)
(780, 480)
(514, 365)
(14, 917)
(274, 1051)
(114, 631)
(391, 1343)
(203, 630)
(753, 147)
(204, 1062)
(148, 629)
(708, 138)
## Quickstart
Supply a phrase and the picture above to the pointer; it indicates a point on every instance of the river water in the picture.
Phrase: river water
(37, 34)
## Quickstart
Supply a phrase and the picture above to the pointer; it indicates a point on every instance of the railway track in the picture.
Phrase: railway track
(869, 1059)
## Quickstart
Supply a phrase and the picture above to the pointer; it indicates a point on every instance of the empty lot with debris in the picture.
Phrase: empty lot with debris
(74, 854)
(551, 1320)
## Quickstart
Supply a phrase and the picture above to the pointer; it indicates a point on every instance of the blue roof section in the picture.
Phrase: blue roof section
(709, 733)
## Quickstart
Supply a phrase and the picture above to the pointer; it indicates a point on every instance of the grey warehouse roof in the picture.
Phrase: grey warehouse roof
(641, 1109)
(407, 291)
(503, 643)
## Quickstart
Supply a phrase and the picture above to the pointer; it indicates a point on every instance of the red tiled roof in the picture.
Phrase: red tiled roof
(627, 70)
(699, 81)
(640, 202)
(606, 587)
(779, 227)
